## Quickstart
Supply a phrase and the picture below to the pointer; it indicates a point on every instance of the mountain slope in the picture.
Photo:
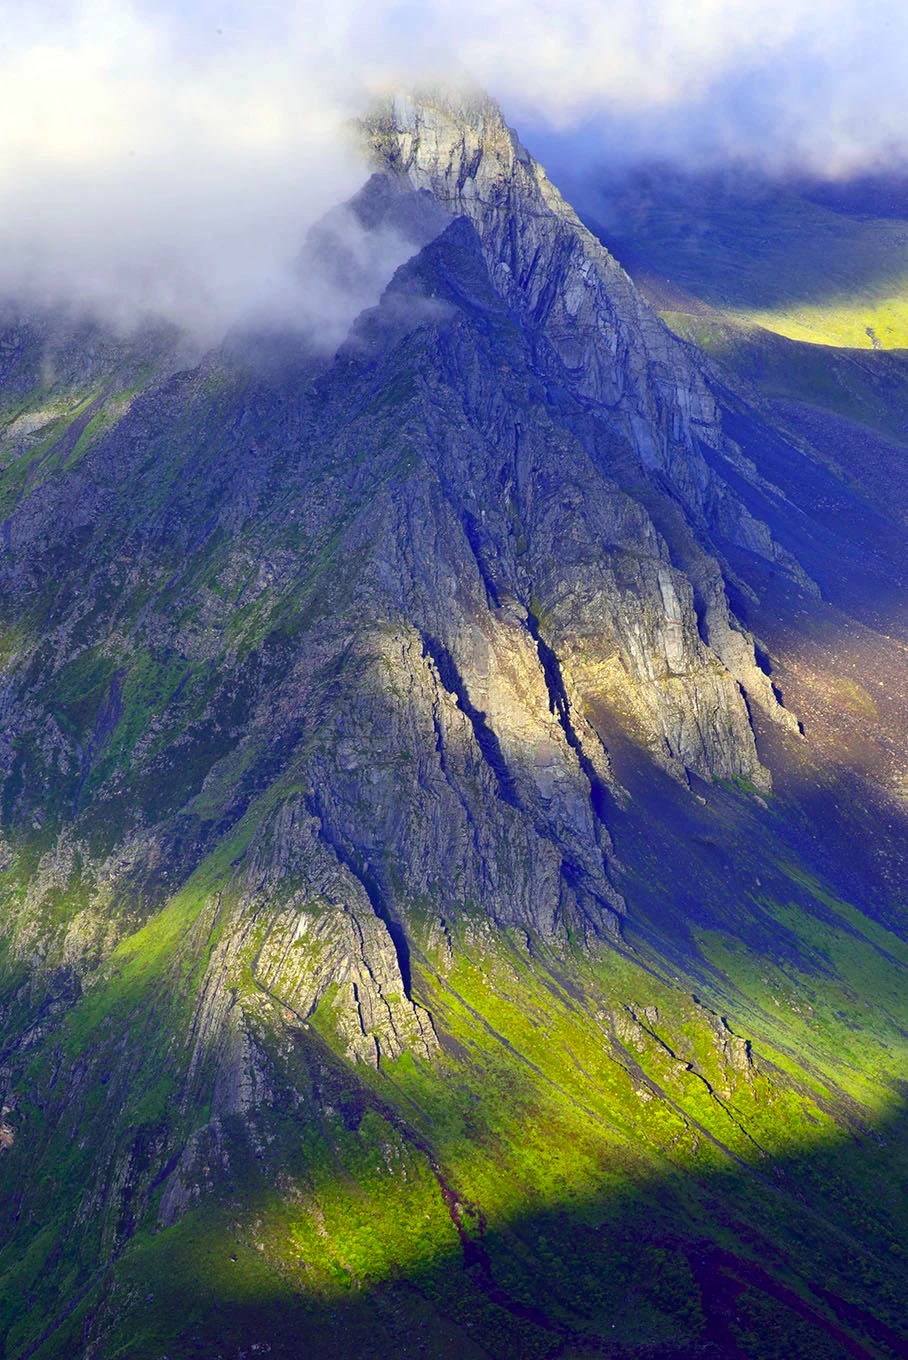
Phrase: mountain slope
(821, 267)
(425, 926)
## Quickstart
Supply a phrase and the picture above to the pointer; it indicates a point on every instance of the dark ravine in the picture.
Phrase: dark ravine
(559, 705)
(485, 738)
(425, 929)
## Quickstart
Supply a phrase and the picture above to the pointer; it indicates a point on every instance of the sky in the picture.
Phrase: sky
(169, 158)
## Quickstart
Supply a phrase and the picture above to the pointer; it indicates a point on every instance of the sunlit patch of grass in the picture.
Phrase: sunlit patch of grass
(559, 1129)
(855, 321)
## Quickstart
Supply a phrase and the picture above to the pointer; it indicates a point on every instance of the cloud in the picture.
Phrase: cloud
(147, 165)
(155, 158)
(785, 84)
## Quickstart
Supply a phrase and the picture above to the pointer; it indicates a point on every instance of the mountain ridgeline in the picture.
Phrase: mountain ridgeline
(453, 812)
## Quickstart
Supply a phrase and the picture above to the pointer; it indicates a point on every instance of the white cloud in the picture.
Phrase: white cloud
(154, 157)
(815, 84)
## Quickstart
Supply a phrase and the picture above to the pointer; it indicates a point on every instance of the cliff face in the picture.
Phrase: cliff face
(592, 329)
(549, 268)
(330, 690)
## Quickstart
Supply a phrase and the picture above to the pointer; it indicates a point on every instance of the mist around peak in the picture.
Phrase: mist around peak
(164, 163)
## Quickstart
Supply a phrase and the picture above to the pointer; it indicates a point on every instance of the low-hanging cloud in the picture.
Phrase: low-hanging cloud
(154, 161)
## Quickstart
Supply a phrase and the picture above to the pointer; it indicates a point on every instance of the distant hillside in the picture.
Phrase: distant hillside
(802, 261)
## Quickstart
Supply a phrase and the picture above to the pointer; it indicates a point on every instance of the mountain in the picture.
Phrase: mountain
(453, 819)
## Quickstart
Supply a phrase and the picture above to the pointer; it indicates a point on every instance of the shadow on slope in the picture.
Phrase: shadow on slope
(798, 1254)
(562, 1182)
(579, 1172)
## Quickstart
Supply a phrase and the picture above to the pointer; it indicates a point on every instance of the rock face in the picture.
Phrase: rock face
(551, 270)
(314, 671)
(474, 491)
(403, 591)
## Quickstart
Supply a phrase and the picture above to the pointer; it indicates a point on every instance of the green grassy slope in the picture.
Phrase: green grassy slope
(631, 1160)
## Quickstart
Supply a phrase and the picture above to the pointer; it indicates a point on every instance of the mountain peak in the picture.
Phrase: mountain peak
(607, 343)
(556, 275)
(455, 144)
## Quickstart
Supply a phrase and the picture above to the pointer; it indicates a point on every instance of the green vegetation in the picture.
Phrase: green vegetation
(765, 255)
(618, 1113)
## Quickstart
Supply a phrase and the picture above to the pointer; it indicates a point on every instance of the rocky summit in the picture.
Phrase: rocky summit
(453, 809)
